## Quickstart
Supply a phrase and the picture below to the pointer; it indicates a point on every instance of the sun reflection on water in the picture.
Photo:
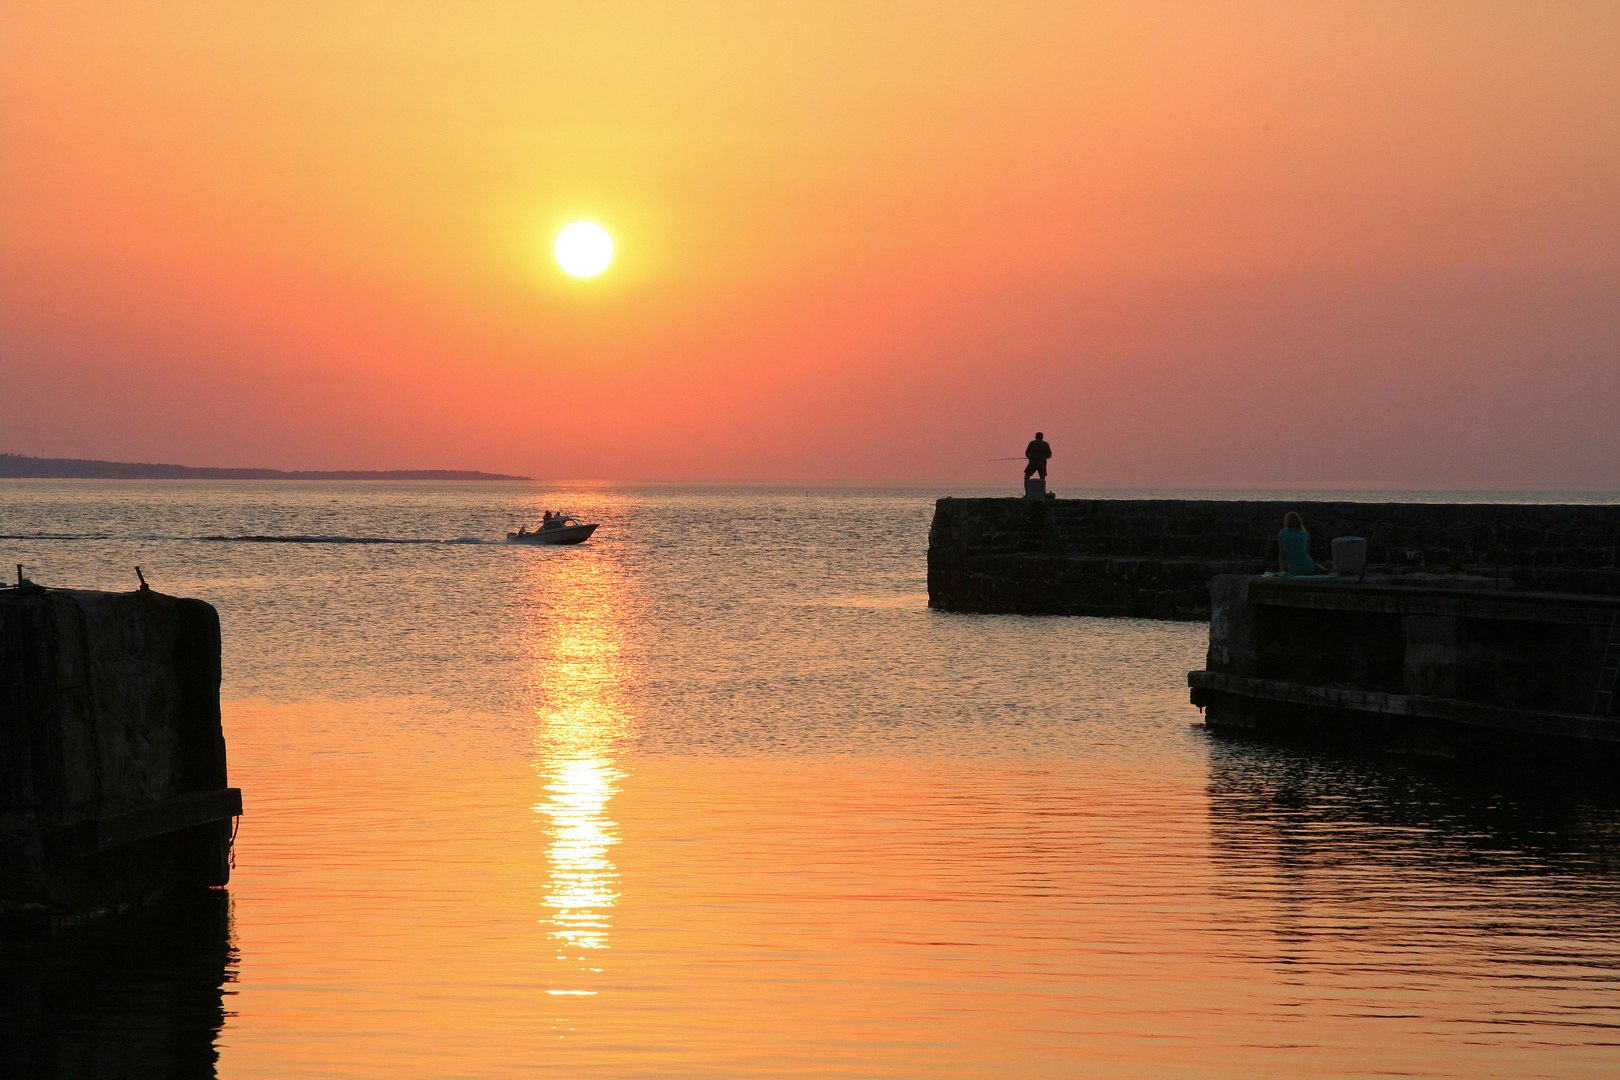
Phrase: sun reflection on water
(576, 694)
(583, 878)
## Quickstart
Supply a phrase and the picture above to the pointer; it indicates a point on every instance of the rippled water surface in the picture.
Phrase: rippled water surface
(716, 795)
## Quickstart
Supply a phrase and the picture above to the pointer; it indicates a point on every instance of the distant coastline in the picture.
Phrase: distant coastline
(19, 467)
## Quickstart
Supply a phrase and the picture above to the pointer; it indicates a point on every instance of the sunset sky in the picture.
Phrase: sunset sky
(1214, 243)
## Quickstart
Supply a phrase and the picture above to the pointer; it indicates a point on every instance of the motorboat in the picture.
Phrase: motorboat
(556, 529)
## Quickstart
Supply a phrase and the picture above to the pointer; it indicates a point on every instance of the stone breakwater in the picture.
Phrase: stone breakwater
(1155, 558)
(112, 758)
(1458, 671)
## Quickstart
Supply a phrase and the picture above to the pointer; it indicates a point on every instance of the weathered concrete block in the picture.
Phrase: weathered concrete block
(1304, 655)
(112, 757)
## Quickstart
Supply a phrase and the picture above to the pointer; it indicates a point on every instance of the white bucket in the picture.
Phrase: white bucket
(1349, 554)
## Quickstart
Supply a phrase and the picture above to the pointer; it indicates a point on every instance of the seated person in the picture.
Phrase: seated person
(1294, 549)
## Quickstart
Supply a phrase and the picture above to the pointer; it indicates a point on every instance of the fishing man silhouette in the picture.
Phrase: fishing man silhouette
(1036, 454)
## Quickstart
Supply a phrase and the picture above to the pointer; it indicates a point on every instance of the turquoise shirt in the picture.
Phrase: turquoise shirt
(1296, 546)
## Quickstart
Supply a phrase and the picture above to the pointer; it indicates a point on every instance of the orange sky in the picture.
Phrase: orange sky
(1193, 242)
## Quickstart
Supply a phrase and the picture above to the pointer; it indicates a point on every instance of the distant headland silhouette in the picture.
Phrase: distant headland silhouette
(17, 467)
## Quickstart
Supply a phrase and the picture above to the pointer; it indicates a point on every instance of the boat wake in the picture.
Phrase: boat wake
(341, 540)
(256, 539)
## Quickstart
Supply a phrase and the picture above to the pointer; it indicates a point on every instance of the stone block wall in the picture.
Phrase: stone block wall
(112, 756)
(1154, 558)
(1507, 650)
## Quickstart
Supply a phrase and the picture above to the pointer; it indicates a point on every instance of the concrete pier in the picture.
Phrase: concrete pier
(1155, 558)
(1445, 671)
(112, 759)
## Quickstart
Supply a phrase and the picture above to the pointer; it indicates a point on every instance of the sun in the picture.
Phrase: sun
(583, 249)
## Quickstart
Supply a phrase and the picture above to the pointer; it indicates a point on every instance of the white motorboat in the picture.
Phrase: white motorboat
(556, 529)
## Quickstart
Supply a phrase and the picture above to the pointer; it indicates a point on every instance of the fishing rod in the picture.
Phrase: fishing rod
(1368, 557)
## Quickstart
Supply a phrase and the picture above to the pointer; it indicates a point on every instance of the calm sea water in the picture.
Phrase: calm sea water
(716, 795)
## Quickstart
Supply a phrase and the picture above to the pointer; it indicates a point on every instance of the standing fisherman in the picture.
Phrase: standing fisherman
(1036, 453)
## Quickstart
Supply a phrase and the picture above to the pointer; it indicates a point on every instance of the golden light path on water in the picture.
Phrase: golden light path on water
(582, 875)
(575, 690)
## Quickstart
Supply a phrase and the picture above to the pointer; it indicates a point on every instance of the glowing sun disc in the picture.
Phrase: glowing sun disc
(583, 249)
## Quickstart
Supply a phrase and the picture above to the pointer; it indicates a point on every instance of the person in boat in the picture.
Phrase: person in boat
(1036, 455)
(545, 522)
(1294, 549)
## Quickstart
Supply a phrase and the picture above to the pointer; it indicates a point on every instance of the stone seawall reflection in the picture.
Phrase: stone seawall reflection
(135, 997)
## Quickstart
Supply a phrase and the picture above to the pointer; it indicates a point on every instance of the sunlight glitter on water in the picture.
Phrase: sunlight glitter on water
(582, 875)
(575, 690)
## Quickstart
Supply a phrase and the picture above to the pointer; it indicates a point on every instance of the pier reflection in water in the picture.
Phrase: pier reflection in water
(575, 633)
(1483, 911)
(137, 997)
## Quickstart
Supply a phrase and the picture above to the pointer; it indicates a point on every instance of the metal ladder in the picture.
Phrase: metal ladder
(1608, 670)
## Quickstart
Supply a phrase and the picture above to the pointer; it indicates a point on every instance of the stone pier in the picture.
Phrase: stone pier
(1155, 558)
(112, 758)
(1418, 668)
